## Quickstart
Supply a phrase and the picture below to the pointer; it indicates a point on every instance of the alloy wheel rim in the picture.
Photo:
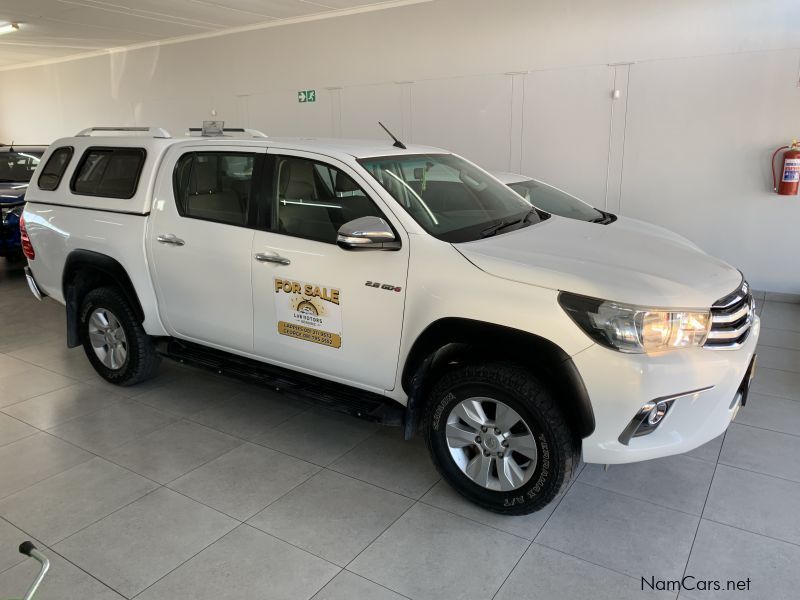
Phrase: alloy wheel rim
(108, 339)
(491, 444)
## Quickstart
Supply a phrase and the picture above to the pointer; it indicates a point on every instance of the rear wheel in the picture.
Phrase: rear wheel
(114, 340)
(497, 436)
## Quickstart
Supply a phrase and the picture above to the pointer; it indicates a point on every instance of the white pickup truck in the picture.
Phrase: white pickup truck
(403, 284)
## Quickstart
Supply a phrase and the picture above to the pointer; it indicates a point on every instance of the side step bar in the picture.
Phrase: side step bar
(334, 396)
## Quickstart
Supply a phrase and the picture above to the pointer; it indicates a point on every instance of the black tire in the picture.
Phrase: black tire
(516, 387)
(142, 360)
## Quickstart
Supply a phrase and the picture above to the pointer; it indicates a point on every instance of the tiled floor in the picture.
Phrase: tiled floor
(193, 486)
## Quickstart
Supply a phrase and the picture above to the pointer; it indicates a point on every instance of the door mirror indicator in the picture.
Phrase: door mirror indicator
(367, 233)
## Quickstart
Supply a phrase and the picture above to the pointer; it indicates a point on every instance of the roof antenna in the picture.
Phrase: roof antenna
(397, 143)
(11, 147)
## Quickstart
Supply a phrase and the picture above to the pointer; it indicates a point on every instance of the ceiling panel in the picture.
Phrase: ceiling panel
(55, 29)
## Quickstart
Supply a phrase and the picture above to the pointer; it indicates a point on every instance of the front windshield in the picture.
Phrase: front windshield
(555, 201)
(18, 167)
(450, 198)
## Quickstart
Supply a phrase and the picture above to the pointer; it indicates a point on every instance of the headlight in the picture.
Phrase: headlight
(635, 329)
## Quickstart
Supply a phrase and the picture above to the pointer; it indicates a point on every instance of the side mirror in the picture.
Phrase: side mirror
(367, 233)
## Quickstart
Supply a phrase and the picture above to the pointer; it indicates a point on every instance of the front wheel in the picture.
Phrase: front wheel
(114, 340)
(497, 436)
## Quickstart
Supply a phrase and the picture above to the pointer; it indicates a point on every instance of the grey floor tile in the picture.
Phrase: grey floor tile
(771, 412)
(10, 365)
(781, 315)
(128, 391)
(526, 526)
(54, 408)
(430, 553)
(246, 563)
(678, 482)
(779, 358)
(34, 458)
(319, 436)
(243, 481)
(763, 451)
(37, 353)
(349, 586)
(725, 554)
(607, 529)
(755, 502)
(12, 429)
(782, 297)
(709, 451)
(105, 429)
(29, 382)
(779, 338)
(249, 415)
(71, 362)
(136, 546)
(388, 461)
(63, 580)
(10, 539)
(775, 382)
(544, 573)
(172, 451)
(187, 395)
(65, 503)
(11, 342)
(332, 515)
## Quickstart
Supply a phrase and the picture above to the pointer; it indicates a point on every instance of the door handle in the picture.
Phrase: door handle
(272, 258)
(171, 239)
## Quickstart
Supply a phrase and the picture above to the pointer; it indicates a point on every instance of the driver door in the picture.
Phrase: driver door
(319, 308)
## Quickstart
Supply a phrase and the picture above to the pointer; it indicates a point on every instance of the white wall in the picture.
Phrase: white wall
(523, 85)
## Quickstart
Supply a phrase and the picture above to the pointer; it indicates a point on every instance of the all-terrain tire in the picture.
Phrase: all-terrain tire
(519, 389)
(142, 360)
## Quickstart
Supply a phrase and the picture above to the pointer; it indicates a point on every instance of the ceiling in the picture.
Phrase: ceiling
(58, 29)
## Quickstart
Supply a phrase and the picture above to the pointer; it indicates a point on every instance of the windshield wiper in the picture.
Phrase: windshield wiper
(497, 227)
(490, 231)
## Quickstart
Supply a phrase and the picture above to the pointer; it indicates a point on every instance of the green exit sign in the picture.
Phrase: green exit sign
(307, 96)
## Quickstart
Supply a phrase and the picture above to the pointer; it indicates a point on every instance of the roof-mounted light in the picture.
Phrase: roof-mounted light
(8, 28)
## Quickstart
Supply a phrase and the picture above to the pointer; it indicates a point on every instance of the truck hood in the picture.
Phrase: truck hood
(12, 193)
(627, 261)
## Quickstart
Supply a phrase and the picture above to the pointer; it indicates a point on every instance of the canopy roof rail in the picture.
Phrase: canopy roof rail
(251, 132)
(156, 132)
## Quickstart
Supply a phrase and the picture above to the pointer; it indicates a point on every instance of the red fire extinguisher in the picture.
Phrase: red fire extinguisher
(790, 171)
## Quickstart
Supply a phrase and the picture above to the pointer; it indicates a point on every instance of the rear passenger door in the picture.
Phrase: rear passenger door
(318, 308)
(199, 242)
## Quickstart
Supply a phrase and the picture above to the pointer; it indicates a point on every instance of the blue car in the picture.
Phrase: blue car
(17, 164)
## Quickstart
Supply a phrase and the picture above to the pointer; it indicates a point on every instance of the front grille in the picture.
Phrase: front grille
(731, 319)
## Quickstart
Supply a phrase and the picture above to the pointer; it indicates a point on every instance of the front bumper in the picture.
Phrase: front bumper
(619, 384)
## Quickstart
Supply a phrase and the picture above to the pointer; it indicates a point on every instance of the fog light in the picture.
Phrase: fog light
(657, 412)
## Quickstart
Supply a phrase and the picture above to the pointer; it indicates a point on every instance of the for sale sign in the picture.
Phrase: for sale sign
(309, 312)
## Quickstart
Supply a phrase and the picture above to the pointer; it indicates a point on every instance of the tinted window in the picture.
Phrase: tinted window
(215, 186)
(314, 199)
(109, 172)
(555, 201)
(450, 198)
(18, 167)
(54, 168)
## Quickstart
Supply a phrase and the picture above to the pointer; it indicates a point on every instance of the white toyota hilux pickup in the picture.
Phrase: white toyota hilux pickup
(403, 284)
